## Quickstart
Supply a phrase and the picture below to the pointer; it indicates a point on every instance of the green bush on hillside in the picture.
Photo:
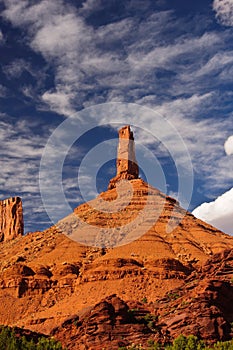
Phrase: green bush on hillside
(9, 341)
(183, 343)
(187, 343)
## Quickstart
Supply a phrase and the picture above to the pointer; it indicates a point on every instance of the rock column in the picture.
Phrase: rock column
(11, 218)
(127, 167)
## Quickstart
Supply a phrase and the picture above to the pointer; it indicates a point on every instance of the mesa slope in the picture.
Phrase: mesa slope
(45, 276)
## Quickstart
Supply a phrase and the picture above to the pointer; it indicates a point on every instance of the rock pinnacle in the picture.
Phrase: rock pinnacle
(127, 167)
(11, 218)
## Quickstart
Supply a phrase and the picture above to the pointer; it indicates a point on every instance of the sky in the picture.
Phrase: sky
(75, 71)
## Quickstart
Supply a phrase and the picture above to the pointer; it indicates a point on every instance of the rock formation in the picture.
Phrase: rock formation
(11, 218)
(102, 324)
(127, 167)
(200, 307)
(139, 282)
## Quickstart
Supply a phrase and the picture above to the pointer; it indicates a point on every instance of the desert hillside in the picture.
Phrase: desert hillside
(146, 269)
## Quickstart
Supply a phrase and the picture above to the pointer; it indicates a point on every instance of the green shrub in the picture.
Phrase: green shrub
(144, 300)
(188, 343)
(153, 345)
(9, 341)
(226, 345)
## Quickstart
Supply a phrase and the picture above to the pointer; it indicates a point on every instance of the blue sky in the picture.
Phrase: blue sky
(60, 57)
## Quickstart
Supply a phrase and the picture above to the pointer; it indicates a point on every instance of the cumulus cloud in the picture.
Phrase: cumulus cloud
(224, 11)
(229, 145)
(218, 213)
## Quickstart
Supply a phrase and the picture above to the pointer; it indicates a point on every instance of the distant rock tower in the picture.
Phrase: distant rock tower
(127, 167)
(11, 218)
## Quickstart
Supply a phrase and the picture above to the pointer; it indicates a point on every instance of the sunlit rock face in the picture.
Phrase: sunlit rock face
(127, 167)
(11, 218)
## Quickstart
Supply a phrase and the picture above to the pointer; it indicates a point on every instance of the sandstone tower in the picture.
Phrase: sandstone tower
(11, 218)
(127, 167)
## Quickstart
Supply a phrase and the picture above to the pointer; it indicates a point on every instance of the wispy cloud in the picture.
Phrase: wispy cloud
(16, 68)
(224, 11)
(88, 60)
(21, 150)
(16, 71)
(22, 145)
(203, 133)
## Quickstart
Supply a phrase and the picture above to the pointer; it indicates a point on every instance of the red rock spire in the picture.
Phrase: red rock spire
(11, 218)
(127, 167)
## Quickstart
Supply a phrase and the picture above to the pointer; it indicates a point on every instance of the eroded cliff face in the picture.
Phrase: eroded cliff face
(11, 218)
(199, 306)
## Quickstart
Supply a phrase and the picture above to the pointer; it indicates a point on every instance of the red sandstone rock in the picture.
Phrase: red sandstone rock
(200, 307)
(109, 325)
(11, 218)
(127, 167)
(45, 277)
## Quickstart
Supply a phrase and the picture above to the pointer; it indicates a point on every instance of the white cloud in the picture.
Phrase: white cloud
(62, 35)
(161, 56)
(218, 213)
(216, 63)
(224, 11)
(228, 145)
(87, 59)
(24, 13)
(59, 100)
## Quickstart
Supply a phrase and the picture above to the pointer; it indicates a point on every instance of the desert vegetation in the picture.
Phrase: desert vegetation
(182, 343)
(9, 340)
